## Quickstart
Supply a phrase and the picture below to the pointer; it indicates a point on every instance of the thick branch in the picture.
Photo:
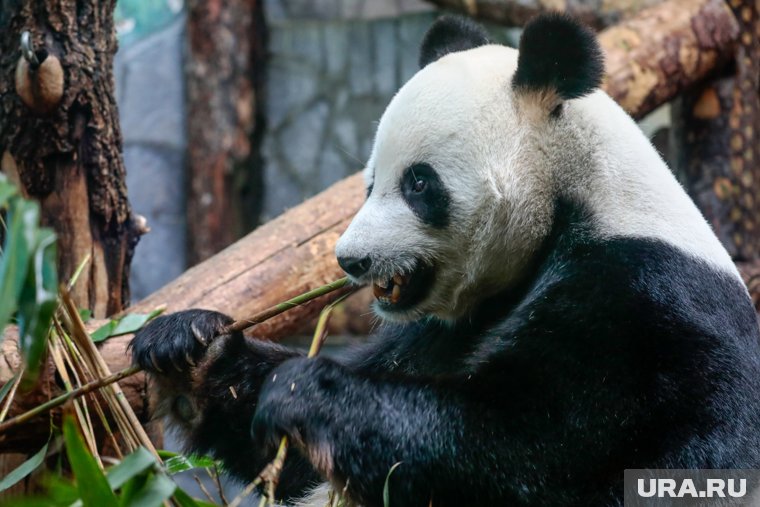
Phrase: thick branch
(597, 13)
(664, 50)
(259, 271)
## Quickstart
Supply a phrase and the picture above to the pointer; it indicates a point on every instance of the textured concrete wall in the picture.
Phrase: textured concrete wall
(327, 85)
(151, 98)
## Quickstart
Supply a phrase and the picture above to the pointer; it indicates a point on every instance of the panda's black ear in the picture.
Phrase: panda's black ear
(450, 34)
(558, 53)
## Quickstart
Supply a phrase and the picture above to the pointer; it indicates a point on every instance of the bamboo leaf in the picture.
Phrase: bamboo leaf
(38, 301)
(127, 324)
(180, 463)
(386, 486)
(7, 190)
(104, 331)
(91, 481)
(15, 257)
(132, 465)
(24, 469)
(185, 500)
(156, 489)
(7, 387)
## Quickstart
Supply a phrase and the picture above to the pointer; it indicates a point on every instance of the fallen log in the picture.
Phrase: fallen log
(665, 50)
(281, 259)
(294, 252)
(597, 13)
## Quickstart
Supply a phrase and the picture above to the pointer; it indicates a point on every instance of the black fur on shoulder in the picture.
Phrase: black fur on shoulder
(559, 53)
(450, 34)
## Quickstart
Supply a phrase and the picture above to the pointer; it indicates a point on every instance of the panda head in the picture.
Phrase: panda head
(459, 182)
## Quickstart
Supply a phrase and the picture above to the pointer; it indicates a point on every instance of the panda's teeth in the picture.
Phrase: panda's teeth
(398, 279)
(378, 291)
(396, 294)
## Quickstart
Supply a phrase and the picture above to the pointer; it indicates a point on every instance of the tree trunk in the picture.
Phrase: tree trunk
(224, 50)
(597, 13)
(60, 142)
(60, 138)
(716, 139)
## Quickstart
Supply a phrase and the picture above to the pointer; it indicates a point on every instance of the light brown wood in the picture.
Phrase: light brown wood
(597, 13)
(279, 260)
(659, 53)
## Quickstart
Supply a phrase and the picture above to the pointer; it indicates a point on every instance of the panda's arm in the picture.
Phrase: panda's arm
(208, 387)
(354, 427)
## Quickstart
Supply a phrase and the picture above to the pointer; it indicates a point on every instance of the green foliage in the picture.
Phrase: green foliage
(125, 325)
(179, 463)
(92, 484)
(23, 469)
(139, 480)
(28, 277)
(386, 486)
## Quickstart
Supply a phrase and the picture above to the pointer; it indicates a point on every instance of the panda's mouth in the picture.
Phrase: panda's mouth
(404, 290)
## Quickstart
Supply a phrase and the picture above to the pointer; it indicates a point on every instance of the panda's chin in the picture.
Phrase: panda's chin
(399, 296)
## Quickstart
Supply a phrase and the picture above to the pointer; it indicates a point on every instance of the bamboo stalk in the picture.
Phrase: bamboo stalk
(239, 325)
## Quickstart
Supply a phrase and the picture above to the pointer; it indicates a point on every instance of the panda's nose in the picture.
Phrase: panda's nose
(355, 266)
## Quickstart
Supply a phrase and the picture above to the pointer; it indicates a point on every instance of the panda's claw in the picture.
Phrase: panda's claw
(171, 344)
(155, 362)
(198, 334)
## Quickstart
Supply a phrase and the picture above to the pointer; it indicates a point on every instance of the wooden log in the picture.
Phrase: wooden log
(659, 53)
(224, 54)
(597, 13)
(295, 251)
(281, 259)
(716, 140)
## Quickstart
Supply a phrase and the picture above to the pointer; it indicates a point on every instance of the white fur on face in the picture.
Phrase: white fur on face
(505, 162)
(457, 116)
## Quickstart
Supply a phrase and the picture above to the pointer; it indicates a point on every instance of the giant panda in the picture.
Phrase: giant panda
(556, 308)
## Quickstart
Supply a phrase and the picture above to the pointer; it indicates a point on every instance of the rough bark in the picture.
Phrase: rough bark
(68, 154)
(597, 13)
(60, 142)
(295, 252)
(224, 50)
(663, 50)
(716, 140)
(262, 269)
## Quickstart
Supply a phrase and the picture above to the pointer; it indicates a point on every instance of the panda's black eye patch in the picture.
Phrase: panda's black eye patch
(426, 195)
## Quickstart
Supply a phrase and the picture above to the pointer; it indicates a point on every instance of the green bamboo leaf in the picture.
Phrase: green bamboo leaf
(7, 387)
(24, 469)
(131, 466)
(38, 301)
(104, 331)
(130, 323)
(180, 463)
(134, 321)
(7, 190)
(386, 486)
(85, 314)
(91, 481)
(156, 489)
(185, 500)
(15, 257)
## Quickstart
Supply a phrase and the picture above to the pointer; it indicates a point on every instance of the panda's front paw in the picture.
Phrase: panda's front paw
(297, 400)
(174, 343)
